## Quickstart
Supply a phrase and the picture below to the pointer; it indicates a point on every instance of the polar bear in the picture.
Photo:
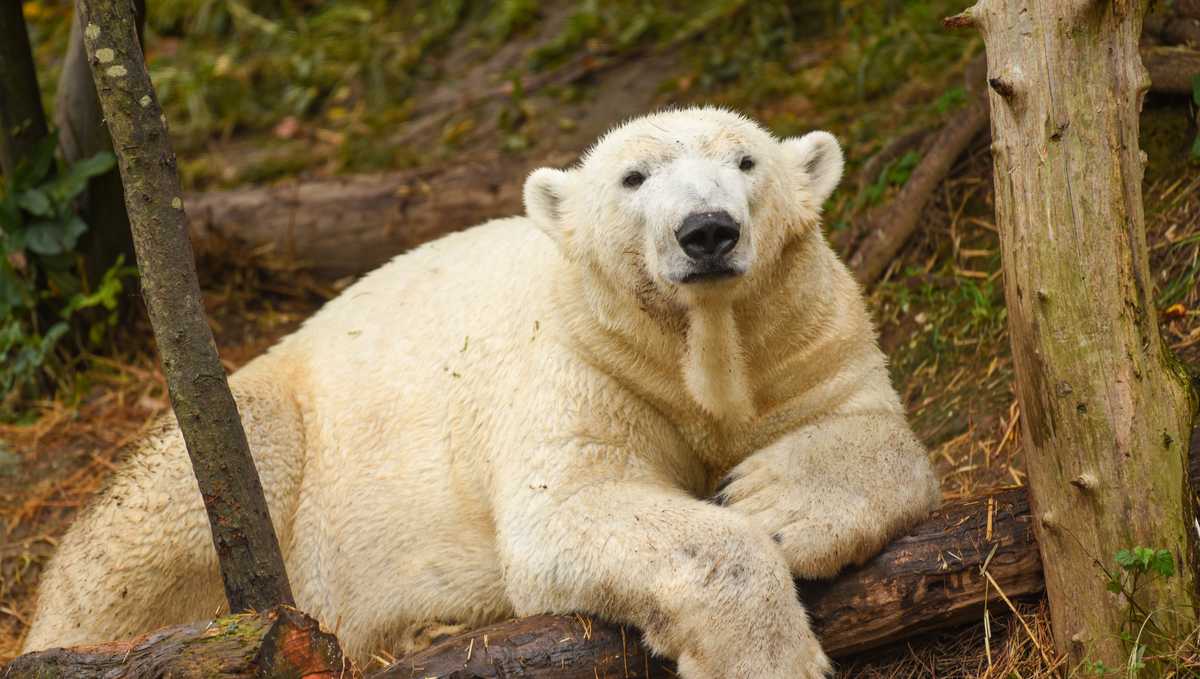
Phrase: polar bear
(655, 399)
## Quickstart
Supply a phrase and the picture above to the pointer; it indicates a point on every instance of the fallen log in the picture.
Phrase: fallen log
(281, 642)
(923, 582)
(927, 580)
(886, 228)
(347, 225)
(1172, 69)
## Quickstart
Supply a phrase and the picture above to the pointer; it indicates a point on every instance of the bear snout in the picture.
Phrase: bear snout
(707, 236)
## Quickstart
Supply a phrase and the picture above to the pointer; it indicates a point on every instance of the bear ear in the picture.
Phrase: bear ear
(819, 156)
(545, 191)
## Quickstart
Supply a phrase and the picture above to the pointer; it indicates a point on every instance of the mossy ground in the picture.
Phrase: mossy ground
(261, 91)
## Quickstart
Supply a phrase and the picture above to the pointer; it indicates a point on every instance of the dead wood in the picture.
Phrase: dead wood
(1172, 69)
(248, 551)
(885, 229)
(83, 133)
(347, 225)
(925, 581)
(282, 642)
(1067, 82)
(930, 579)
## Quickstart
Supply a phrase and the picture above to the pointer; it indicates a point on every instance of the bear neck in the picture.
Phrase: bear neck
(714, 365)
(725, 354)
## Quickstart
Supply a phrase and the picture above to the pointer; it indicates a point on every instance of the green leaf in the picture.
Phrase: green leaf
(1163, 563)
(42, 238)
(74, 179)
(1196, 89)
(950, 99)
(35, 202)
(52, 238)
(1113, 586)
(1125, 559)
(1143, 555)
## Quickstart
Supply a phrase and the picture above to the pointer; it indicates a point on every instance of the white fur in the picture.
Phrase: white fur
(499, 424)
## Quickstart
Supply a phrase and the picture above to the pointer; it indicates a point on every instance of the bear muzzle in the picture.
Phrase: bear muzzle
(707, 238)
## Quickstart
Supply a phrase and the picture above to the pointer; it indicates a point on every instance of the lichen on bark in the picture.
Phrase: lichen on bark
(247, 548)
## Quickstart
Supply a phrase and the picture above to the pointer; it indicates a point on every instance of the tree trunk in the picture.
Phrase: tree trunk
(282, 642)
(247, 548)
(1106, 410)
(22, 120)
(82, 134)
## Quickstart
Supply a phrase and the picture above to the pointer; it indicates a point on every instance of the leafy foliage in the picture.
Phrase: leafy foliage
(1139, 631)
(41, 291)
(896, 173)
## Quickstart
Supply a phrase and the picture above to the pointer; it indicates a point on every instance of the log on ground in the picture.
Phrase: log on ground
(349, 225)
(928, 580)
(279, 643)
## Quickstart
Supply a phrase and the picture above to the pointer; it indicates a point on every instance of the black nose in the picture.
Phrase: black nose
(704, 235)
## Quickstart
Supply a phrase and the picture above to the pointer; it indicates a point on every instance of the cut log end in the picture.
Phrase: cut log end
(282, 642)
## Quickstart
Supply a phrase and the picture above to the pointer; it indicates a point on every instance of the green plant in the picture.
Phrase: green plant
(41, 290)
(896, 173)
(1139, 629)
(950, 100)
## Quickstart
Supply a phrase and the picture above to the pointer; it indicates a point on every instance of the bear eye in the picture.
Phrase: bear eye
(633, 180)
(747, 164)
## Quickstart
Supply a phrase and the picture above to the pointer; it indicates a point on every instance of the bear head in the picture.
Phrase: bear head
(689, 203)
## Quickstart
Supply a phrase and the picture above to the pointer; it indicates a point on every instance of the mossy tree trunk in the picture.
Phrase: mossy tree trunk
(1106, 410)
(248, 550)
(81, 134)
(22, 119)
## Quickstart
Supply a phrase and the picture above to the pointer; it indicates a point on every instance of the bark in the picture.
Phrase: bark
(349, 225)
(251, 564)
(282, 642)
(928, 580)
(22, 119)
(1106, 410)
(82, 134)
(1172, 69)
